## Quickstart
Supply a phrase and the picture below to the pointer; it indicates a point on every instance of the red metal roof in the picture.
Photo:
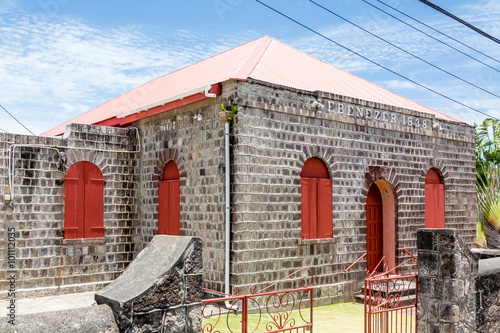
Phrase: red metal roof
(264, 59)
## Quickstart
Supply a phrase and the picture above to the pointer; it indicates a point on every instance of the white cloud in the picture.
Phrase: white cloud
(55, 68)
(398, 84)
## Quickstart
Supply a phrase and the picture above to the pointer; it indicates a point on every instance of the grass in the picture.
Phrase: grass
(341, 317)
(335, 318)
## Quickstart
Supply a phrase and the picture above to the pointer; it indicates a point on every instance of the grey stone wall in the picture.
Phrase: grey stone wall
(447, 275)
(45, 263)
(277, 129)
(197, 147)
(488, 297)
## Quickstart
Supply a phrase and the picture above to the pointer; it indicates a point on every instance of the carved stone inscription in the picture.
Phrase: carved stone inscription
(361, 112)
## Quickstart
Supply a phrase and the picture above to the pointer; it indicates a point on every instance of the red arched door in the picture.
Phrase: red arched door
(169, 201)
(374, 233)
(434, 200)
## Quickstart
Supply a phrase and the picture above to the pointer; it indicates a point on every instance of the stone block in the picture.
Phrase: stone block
(175, 320)
(427, 263)
(425, 240)
(194, 290)
(446, 241)
(449, 313)
(92, 319)
(154, 283)
(148, 322)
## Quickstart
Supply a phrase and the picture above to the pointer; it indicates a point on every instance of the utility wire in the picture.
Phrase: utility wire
(373, 62)
(407, 52)
(456, 18)
(10, 114)
(3, 130)
(430, 36)
(439, 32)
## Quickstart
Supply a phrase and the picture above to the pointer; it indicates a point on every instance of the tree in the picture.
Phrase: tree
(488, 183)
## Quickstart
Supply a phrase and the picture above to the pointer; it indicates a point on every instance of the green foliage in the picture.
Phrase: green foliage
(230, 112)
(488, 183)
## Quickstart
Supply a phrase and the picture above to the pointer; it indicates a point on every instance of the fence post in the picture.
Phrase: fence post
(244, 314)
(367, 312)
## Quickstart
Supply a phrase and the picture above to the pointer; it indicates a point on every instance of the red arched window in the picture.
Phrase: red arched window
(316, 209)
(169, 214)
(434, 200)
(83, 201)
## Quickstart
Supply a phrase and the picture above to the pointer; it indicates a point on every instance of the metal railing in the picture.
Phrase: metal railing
(391, 304)
(390, 300)
(288, 310)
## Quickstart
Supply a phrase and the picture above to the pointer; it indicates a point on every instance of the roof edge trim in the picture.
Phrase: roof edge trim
(204, 89)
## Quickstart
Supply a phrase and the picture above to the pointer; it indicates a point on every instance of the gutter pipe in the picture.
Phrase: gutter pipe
(228, 208)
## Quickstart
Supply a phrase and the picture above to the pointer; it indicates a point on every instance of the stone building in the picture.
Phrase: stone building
(324, 166)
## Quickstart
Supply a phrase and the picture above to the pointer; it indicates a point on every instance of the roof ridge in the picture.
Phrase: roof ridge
(371, 83)
(202, 60)
(254, 59)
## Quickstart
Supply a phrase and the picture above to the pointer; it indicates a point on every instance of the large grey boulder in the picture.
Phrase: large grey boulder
(161, 289)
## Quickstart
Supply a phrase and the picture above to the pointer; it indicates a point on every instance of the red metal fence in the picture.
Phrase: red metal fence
(391, 304)
(289, 310)
(390, 300)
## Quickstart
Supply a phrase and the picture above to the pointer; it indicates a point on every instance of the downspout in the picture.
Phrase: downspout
(228, 208)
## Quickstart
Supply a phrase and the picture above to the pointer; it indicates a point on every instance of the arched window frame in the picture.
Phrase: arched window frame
(316, 199)
(83, 201)
(169, 201)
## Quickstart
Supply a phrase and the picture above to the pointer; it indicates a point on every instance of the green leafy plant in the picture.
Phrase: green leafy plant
(230, 112)
(488, 183)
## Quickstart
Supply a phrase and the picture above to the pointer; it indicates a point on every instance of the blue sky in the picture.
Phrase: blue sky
(60, 58)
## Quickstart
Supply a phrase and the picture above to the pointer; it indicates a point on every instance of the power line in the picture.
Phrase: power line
(456, 18)
(430, 36)
(407, 52)
(373, 62)
(10, 114)
(442, 33)
(3, 130)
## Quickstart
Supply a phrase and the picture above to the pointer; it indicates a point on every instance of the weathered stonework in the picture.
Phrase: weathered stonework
(276, 130)
(45, 263)
(457, 291)
(161, 290)
(197, 147)
(447, 275)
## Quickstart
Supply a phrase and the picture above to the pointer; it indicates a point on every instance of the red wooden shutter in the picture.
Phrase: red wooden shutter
(83, 202)
(94, 201)
(163, 208)
(169, 201)
(440, 217)
(324, 229)
(308, 208)
(434, 201)
(174, 217)
(74, 201)
(316, 198)
(429, 207)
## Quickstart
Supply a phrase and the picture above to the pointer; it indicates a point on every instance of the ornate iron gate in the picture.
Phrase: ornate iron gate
(390, 300)
(288, 310)
(391, 304)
